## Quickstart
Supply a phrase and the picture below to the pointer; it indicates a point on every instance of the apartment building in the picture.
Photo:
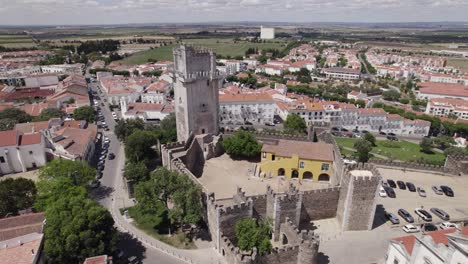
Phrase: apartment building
(239, 109)
(446, 107)
(156, 93)
(342, 73)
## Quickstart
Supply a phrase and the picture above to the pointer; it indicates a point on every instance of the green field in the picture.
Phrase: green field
(160, 54)
(397, 150)
(458, 62)
(225, 47)
(18, 41)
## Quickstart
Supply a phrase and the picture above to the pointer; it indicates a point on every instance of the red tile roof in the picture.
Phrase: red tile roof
(257, 97)
(305, 150)
(30, 139)
(443, 89)
(12, 227)
(8, 138)
(96, 260)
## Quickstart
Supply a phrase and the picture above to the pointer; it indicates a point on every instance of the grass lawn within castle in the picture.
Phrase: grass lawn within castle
(397, 150)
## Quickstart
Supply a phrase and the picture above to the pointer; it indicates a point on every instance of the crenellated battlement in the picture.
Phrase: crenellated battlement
(173, 145)
(321, 191)
(235, 209)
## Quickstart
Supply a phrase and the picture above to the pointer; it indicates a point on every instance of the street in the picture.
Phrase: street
(133, 250)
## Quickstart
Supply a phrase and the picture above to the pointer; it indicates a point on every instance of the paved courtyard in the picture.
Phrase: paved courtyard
(341, 247)
(32, 175)
(222, 175)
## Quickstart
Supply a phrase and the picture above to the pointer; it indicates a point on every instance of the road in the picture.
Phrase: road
(134, 251)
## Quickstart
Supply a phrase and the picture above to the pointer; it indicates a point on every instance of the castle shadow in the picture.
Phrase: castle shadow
(322, 258)
(130, 250)
(379, 217)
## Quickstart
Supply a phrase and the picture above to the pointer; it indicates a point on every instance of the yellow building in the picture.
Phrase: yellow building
(297, 159)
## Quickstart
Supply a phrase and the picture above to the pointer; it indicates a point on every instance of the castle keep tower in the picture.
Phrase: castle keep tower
(196, 84)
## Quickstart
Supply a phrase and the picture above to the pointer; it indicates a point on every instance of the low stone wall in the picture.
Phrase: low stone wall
(411, 166)
(457, 164)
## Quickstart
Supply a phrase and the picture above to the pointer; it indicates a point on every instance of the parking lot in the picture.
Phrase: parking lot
(456, 207)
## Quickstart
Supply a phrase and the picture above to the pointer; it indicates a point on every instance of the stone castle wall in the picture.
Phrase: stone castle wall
(458, 165)
(320, 204)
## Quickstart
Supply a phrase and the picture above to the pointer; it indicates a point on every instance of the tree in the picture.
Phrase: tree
(363, 148)
(76, 229)
(7, 124)
(80, 173)
(125, 128)
(19, 116)
(369, 137)
(391, 95)
(251, 233)
(49, 113)
(426, 145)
(443, 142)
(139, 146)
(242, 145)
(295, 124)
(84, 113)
(164, 186)
(16, 194)
(455, 151)
(136, 171)
(361, 103)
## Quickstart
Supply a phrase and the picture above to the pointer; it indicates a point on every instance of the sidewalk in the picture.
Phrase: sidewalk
(120, 198)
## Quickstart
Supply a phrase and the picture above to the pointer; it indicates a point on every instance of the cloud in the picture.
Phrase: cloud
(134, 11)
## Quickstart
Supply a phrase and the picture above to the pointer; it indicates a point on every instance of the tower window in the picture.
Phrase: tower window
(203, 107)
(180, 99)
(207, 82)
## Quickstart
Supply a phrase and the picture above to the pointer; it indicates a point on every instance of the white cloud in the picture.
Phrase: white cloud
(131, 11)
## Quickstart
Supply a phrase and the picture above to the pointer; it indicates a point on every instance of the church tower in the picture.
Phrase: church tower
(196, 84)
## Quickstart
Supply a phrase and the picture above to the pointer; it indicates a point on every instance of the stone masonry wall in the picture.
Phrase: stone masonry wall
(229, 216)
(320, 204)
(457, 164)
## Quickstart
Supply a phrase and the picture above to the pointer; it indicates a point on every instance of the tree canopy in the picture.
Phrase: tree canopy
(369, 137)
(49, 113)
(84, 113)
(125, 127)
(251, 233)
(242, 145)
(363, 148)
(136, 171)
(139, 146)
(295, 124)
(426, 145)
(80, 173)
(164, 186)
(391, 95)
(12, 116)
(15, 195)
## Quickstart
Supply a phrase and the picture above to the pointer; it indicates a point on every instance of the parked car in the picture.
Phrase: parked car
(111, 156)
(391, 183)
(393, 218)
(437, 190)
(421, 192)
(406, 215)
(95, 184)
(447, 225)
(385, 184)
(103, 157)
(382, 133)
(447, 190)
(440, 213)
(382, 192)
(401, 185)
(99, 174)
(425, 215)
(411, 187)
(428, 227)
(411, 228)
(390, 192)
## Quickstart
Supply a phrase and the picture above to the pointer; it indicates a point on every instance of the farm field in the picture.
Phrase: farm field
(458, 62)
(397, 150)
(224, 47)
(11, 41)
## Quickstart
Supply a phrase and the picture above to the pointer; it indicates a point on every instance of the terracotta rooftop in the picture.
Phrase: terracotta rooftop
(96, 260)
(30, 139)
(439, 237)
(257, 97)
(305, 150)
(8, 138)
(443, 89)
(159, 86)
(372, 111)
(12, 227)
(12, 251)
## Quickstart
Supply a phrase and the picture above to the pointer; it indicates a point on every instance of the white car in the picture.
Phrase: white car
(426, 216)
(411, 229)
(106, 140)
(382, 192)
(349, 162)
(447, 225)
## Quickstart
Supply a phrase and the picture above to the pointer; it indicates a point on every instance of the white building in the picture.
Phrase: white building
(270, 69)
(267, 32)
(448, 246)
(448, 106)
(20, 152)
(239, 109)
(149, 112)
(342, 73)
(68, 69)
(156, 93)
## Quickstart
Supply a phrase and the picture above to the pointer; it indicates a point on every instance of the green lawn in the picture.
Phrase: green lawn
(160, 54)
(398, 150)
(221, 46)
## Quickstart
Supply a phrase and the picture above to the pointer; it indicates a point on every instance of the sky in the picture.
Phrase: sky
(79, 12)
